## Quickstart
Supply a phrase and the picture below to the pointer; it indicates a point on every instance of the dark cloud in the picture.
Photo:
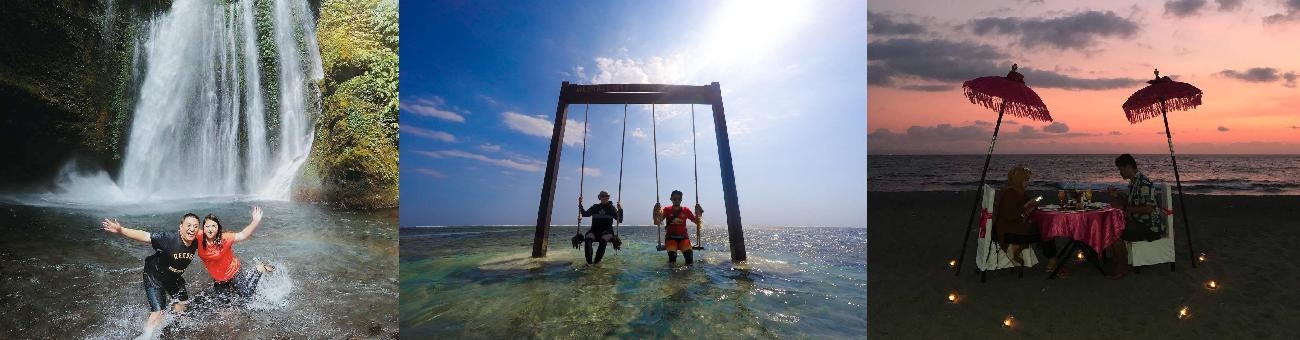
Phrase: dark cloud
(907, 48)
(1223, 129)
(983, 123)
(1115, 133)
(883, 24)
(1292, 8)
(1184, 8)
(1056, 127)
(1229, 5)
(1261, 75)
(879, 75)
(1078, 31)
(947, 138)
(928, 88)
(1011, 122)
(1295, 127)
(954, 62)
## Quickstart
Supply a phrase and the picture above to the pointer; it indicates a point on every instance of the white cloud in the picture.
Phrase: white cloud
(431, 134)
(430, 173)
(520, 164)
(489, 147)
(639, 134)
(431, 108)
(653, 70)
(540, 126)
(592, 172)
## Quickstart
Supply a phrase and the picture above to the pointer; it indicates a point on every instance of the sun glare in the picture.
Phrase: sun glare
(748, 29)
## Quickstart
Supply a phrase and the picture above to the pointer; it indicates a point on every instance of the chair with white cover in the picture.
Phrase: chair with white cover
(1144, 253)
(988, 255)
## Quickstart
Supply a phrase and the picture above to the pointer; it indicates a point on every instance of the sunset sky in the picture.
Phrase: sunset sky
(1084, 60)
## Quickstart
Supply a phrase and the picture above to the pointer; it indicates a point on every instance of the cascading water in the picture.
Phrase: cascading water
(202, 88)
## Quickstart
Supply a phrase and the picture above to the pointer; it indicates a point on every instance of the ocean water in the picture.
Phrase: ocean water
(1201, 174)
(65, 278)
(480, 282)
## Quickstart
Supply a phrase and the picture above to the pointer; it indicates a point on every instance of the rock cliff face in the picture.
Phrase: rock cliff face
(65, 84)
(70, 72)
(354, 157)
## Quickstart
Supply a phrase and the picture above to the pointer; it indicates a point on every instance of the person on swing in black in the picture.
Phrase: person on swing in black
(677, 238)
(602, 216)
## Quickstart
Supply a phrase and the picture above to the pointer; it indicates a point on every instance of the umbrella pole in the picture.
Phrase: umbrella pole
(1182, 202)
(983, 176)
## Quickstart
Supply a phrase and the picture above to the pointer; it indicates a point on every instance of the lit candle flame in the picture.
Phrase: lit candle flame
(1201, 258)
(952, 264)
(952, 297)
(1212, 284)
(1008, 321)
(1183, 313)
(1079, 256)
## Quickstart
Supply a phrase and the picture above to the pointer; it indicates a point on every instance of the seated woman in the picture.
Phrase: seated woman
(1011, 219)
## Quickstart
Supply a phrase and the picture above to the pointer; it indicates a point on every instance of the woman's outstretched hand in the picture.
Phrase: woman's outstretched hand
(257, 214)
(111, 226)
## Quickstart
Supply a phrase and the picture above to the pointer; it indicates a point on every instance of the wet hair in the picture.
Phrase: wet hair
(675, 192)
(1126, 160)
(213, 218)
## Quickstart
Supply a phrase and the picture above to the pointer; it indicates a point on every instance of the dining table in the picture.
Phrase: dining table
(1091, 229)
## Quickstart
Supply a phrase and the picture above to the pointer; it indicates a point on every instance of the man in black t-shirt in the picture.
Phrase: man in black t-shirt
(173, 251)
(602, 216)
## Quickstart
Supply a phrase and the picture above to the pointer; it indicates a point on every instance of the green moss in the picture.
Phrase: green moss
(355, 157)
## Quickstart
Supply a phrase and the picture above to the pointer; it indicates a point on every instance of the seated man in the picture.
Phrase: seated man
(1143, 219)
(602, 216)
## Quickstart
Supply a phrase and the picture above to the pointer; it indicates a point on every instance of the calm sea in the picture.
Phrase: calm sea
(1201, 174)
(479, 282)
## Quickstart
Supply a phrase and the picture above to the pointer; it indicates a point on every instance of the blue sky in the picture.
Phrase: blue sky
(480, 82)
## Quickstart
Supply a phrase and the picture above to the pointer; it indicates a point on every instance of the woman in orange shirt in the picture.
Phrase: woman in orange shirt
(216, 249)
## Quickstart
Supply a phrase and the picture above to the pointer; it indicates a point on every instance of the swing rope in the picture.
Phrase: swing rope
(699, 217)
(622, 146)
(654, 139)
(582, 172)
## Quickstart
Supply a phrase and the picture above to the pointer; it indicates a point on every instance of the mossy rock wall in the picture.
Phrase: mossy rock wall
(354, 156)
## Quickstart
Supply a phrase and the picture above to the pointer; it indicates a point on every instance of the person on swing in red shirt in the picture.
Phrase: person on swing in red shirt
(676, 237)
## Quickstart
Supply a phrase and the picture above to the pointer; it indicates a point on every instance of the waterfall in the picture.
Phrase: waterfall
(202, 89)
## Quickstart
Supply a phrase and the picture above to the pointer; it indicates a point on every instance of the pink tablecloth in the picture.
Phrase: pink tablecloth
(1094, 228)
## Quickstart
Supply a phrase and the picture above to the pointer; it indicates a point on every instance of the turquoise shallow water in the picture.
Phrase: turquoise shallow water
(479, 282)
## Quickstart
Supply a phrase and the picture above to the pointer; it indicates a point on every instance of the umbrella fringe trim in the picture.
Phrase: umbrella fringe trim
(1153, 110)
(1012, 108)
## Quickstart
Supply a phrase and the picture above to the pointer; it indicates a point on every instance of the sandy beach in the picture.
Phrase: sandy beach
(1249, 241)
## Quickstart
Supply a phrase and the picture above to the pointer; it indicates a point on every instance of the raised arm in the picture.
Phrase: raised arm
(114, 227)
(248, 231)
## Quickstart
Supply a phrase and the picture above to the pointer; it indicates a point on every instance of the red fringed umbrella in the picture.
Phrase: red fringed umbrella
(1158, 98)
(1007, 94)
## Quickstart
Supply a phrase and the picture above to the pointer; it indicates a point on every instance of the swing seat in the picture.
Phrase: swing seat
(577, 240)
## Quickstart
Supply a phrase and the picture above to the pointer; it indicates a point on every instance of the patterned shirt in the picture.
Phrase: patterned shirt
(1142, 192)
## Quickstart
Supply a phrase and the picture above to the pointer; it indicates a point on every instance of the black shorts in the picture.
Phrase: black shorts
(1135, 232)
(160, 291)
(243, 285)
(598, 235)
